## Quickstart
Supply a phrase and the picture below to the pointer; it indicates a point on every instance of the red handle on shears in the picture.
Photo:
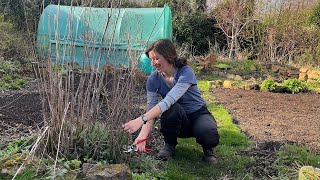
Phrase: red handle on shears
(142, 140)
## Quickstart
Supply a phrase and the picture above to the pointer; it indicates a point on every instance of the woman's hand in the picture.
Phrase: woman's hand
(140, 145)
(133, 125)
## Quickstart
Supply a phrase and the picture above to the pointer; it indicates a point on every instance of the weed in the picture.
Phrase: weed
(210, 78)
(13, 155)
(14, 147)
(239, 84)
(221, 65)
(95, 143)
(246, 66)
(294, 86)
(7, 78)
(10, 84)
(56, 173)
(7, 67)
(268, 85)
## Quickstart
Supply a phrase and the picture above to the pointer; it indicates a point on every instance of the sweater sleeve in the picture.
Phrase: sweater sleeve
(173, 95)
(152, 99)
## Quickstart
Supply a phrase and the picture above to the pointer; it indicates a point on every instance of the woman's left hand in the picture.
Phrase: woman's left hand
(133, 125)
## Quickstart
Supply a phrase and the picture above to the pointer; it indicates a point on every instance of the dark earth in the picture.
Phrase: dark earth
(275, 117)
(269, 119)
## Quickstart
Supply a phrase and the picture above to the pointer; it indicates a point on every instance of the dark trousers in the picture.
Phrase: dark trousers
(200, 124)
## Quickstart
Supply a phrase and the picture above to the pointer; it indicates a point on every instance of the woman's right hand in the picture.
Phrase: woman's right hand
(141, 146)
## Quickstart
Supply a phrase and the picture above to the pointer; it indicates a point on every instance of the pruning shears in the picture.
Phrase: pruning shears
(133, 148)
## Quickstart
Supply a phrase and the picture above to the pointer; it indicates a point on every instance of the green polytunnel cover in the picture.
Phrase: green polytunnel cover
(99, 36)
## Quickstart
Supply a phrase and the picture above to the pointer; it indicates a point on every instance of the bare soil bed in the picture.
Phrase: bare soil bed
(274, 117)
(20, 112)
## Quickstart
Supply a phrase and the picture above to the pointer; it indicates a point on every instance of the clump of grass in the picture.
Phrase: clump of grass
(292, 157)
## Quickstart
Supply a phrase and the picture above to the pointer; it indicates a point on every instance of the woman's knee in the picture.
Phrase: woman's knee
(206, 132)
(208, 137)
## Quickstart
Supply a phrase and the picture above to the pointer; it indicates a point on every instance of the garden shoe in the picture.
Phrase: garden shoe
(209, 156)
(167, 152)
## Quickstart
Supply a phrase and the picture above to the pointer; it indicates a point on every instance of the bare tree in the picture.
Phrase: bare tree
(232, 16)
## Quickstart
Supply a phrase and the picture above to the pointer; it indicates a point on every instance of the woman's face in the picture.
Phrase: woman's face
(158, 61)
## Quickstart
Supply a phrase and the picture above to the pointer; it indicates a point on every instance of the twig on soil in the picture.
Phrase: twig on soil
(12, 101)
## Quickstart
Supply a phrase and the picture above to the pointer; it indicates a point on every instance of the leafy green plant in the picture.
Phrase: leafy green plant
(222, 65)
(7, 67)
(312, 85)
(268, 85)
(294, 86)
(10, 84)
(96, 144)
(14, 147)
(318, 80)
(7, 78)
(247, 65)
(72, 164)
(14, 153)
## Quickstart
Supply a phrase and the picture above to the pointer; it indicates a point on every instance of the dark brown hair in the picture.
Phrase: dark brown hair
(167, 49)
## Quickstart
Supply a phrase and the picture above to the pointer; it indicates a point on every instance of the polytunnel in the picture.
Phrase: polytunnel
(99, 36)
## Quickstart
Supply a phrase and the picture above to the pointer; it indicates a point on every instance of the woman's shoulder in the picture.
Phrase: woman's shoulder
(153, 76)
(185, 69)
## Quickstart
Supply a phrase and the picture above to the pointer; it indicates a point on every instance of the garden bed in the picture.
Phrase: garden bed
(274, 117)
